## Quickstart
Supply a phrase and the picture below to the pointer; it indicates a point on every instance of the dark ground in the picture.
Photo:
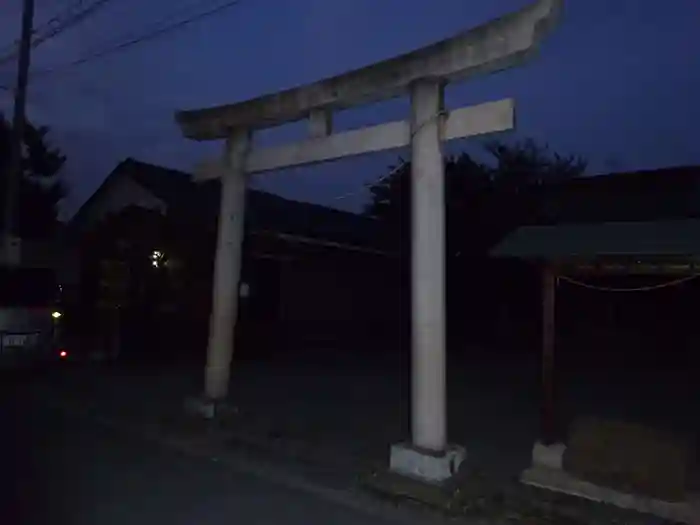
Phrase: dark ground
(62, 470)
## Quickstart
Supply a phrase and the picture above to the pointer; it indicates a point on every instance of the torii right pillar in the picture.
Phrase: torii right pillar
(428, 456)
(428, 360)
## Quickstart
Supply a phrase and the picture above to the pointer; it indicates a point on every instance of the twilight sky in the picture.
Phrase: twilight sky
(617, 82)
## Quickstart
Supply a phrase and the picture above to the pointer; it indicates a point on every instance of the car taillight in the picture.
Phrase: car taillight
(63, 354)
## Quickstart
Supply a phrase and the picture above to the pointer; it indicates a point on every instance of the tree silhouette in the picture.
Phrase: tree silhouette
(41, 187)
(526, 163)
(484, 200)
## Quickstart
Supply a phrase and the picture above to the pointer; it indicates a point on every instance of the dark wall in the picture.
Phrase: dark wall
(301, 296)
(317, 300)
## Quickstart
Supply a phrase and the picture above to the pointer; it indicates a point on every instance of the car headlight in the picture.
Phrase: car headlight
(56, 315)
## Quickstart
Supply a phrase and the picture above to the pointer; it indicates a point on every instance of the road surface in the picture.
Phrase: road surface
(56, 469)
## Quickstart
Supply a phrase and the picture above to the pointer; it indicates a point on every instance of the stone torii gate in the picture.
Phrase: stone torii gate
(422, 74)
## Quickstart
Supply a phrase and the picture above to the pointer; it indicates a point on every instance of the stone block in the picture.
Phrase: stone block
(629, 457)
(201, 406)
(557, 480)
(425, 465)
(548, 456)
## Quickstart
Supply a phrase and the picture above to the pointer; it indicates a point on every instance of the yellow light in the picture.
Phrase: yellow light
(56, 315)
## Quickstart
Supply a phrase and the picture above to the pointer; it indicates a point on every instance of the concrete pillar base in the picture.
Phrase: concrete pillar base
(547, 473)
(432, 467)
(11, 250)
(201, 406)
(548, 456)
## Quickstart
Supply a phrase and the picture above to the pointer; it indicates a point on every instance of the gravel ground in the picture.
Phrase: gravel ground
(343, 415)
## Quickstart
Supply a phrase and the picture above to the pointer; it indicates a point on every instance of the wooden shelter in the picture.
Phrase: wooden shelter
(667, 249)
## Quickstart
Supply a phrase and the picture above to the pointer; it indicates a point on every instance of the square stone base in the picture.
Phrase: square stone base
(10, 250)
(547, 473)
(424, 465)
(548, 456)
(201, 406)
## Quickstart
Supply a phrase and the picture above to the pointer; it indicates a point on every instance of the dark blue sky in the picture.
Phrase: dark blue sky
(617, 83)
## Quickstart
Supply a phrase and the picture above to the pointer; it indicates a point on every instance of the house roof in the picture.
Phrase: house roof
(171, 186)
(265, 212)
(588, 240)
(648, 195)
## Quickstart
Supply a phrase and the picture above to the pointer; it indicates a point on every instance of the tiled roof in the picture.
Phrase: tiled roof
(264, 211)
(663, 238)
(649, 195)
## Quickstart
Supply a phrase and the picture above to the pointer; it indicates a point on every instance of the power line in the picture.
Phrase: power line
(14, 172)
(96, 93)
(56, 26)
(185, 9)
(140, 39)
(10, 50)
(68, 11)
(71, 21)
(402, 164)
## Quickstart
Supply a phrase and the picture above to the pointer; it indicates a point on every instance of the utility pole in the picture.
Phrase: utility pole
(14, 173)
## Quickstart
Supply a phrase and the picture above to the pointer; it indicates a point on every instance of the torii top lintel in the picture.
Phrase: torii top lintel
(495, 45)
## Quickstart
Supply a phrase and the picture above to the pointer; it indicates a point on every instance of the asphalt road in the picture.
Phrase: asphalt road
(57, 469)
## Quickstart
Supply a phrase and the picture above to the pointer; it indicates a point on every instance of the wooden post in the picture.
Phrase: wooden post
(13, 176)
(548, 415)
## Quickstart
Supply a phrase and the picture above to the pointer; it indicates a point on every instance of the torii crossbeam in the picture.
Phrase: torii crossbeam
(421, 74)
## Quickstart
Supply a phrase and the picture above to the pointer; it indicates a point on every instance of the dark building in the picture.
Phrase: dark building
(660, 194)
(637, 233)
(604, 212)
(312, 278)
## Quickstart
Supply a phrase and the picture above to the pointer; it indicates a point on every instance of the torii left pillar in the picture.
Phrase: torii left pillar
(227, 268)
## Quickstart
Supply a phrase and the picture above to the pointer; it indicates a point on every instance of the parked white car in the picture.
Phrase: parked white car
(29, 317)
